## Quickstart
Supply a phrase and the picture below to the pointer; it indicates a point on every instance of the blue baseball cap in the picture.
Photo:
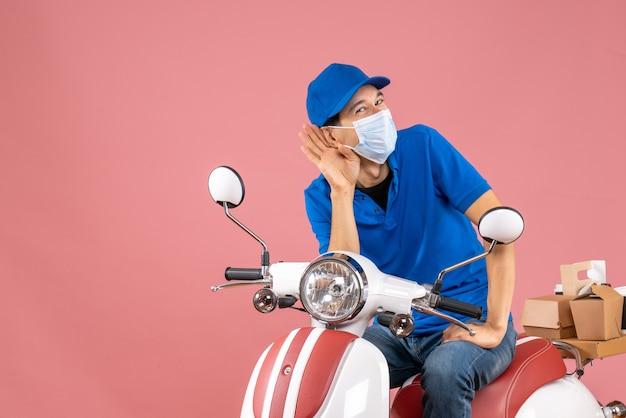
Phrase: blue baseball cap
(333, 88)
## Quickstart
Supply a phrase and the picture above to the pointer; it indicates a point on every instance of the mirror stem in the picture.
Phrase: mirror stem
(265, 256)
(439, 282)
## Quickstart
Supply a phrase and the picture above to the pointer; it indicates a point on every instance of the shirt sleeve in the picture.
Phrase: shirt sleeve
(319, 211)
(453, 174)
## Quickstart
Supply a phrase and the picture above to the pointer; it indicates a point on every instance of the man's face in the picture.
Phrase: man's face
(367, 101)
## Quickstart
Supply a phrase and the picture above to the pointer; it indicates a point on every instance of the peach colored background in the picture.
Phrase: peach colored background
(112, 114)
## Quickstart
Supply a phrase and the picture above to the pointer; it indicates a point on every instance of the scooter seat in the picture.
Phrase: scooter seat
(536, 362)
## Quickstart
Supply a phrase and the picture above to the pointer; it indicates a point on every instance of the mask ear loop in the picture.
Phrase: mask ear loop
(339, 127)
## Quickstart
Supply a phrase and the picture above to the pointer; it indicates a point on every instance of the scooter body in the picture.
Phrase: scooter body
(565, 397)
(328, 369)
(315, 372)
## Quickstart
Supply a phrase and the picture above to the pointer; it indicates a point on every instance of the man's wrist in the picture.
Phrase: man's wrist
(346, 192)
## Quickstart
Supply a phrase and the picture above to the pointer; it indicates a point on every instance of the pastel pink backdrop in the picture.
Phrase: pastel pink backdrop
(113, 113)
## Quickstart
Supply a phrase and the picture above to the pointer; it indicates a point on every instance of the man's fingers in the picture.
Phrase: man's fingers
(311, 147)
(313, 139)
(312, 157)
(348, 152)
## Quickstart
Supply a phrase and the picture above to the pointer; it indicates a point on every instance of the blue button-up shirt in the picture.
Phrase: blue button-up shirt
(423, 228)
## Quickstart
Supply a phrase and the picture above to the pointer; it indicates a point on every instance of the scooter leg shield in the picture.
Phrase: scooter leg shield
(312, 372)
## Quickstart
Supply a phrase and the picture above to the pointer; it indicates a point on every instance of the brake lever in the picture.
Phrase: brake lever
(236, 284)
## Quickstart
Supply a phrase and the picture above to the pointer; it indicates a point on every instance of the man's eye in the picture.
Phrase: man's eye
(380, 101)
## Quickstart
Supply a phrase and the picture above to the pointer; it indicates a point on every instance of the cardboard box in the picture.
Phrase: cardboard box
(594, 272)
(598, 349)
(548, 316)
(598, 314)
(622, 291)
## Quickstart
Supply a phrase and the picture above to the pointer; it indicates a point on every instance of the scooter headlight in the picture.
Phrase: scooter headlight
(333, 288)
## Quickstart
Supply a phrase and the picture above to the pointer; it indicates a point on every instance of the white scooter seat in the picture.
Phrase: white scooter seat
(536, 362)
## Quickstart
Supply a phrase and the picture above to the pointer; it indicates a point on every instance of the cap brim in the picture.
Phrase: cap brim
(379, 82)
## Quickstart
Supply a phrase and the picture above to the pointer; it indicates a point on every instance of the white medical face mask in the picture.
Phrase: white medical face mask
(377, 136)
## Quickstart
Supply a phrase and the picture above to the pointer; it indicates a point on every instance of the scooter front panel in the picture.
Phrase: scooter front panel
(320, 371)
(361, 385)
(296, 373)
(276, 371)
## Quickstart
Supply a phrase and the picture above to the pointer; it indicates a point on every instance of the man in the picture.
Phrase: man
(407, 200)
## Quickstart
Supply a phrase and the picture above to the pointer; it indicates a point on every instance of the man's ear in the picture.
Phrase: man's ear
(327, 135)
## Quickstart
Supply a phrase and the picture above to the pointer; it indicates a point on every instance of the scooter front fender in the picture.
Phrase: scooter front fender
(315, 372)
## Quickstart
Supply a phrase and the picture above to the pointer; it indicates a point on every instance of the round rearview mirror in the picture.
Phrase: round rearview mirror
(226, 186)
(501, 224)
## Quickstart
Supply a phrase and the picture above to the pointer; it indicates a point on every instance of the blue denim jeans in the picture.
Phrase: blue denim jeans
(451, 372)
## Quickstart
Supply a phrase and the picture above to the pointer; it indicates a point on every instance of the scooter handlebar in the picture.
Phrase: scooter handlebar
(384, 318)
(237, 273)
(456, 306)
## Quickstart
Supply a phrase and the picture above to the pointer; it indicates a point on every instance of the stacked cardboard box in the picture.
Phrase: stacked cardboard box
(589, 315)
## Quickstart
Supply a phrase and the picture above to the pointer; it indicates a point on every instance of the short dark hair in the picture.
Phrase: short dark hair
(332, 121)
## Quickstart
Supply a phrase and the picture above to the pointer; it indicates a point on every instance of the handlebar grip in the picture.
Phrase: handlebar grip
(456, 306)
(384, 318)
(235, 273)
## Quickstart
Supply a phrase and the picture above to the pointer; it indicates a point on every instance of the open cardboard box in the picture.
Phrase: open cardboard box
(548, 316)
(551, 316)
(598, 313)
(609, 304)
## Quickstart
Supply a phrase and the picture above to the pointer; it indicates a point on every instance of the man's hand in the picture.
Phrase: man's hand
(339, 164)
(486, 335)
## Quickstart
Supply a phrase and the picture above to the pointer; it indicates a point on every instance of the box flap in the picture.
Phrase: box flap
(604, 292)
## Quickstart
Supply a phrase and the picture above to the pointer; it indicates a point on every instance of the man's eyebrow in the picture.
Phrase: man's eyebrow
(356, 104)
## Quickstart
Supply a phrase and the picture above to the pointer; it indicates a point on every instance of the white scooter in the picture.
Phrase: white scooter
(327, 369)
